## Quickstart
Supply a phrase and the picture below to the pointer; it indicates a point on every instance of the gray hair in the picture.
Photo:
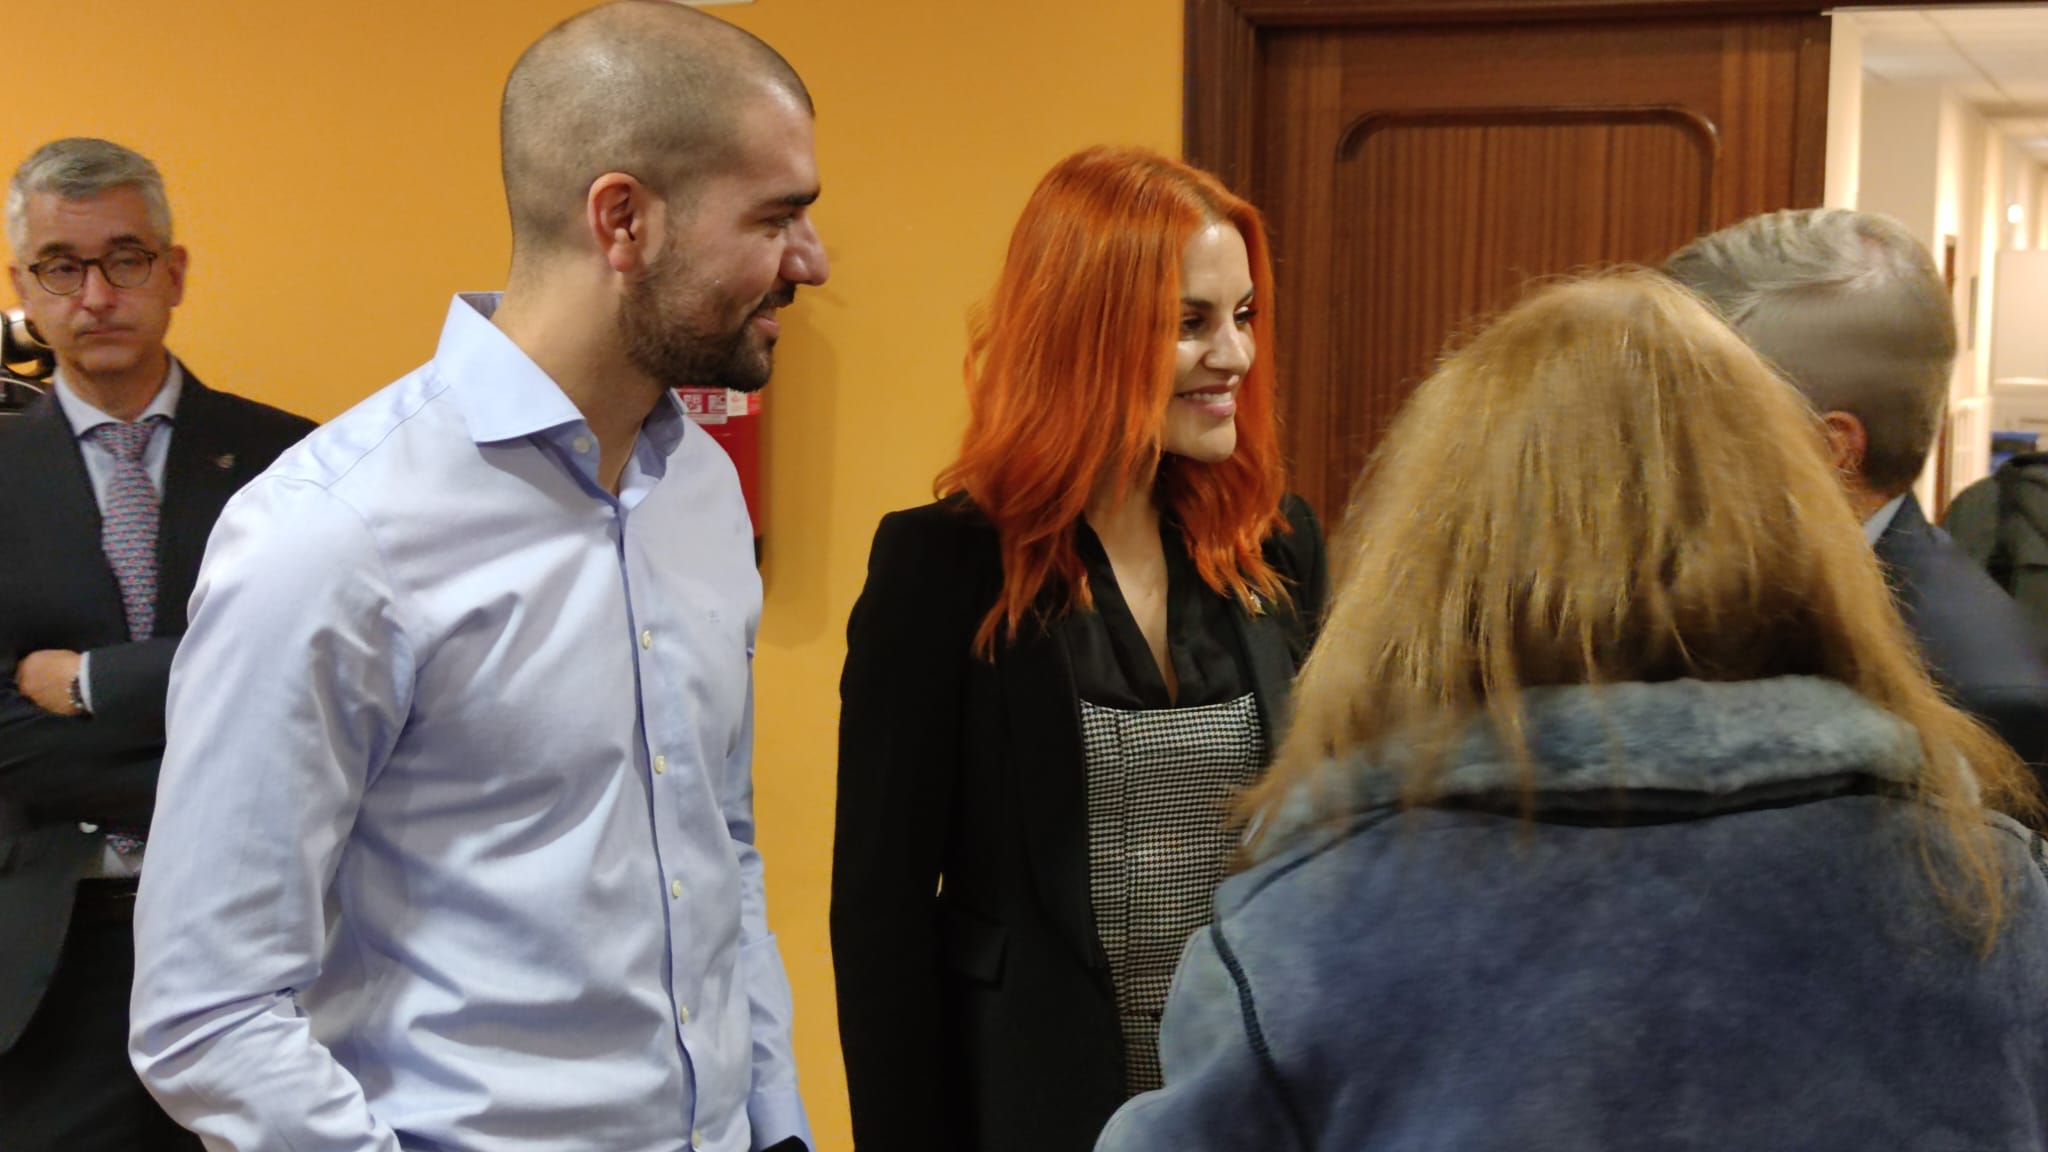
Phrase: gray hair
(1849, 308)
(78, 167)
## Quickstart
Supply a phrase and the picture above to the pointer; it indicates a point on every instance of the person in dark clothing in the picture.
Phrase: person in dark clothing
(1849, 308)
(2001, 522)
(1058, 675)
(109, 487)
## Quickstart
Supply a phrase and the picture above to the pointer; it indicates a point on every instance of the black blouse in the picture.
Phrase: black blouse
(1113, 665)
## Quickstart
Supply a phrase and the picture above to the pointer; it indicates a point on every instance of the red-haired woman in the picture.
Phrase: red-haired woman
(1060, 673)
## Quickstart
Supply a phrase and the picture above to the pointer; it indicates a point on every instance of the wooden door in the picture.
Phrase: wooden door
(1419, 163)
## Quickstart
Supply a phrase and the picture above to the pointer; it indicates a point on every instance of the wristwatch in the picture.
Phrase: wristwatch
(78, 698)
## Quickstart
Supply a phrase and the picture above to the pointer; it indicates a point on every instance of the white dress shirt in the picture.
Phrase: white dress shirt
(1873, 528)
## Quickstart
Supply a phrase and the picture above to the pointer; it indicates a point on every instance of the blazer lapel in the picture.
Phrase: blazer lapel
(1906, 531)
(1272, 664)
(1051, 769)
(202, 471)
(67, 531)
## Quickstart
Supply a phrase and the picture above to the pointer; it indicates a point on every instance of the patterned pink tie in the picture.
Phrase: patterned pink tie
(128, 521)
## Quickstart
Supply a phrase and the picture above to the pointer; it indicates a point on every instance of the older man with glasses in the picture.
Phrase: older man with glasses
(109, 486)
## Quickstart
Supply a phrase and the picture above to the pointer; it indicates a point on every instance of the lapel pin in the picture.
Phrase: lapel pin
(224, 461)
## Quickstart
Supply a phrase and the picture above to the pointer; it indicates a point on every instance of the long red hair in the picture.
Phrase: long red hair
(1070, 368)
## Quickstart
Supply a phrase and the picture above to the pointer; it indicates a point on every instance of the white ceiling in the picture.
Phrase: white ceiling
(1994, 57)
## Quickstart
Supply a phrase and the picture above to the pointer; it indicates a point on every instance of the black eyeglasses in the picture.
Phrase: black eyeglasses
(125, 267)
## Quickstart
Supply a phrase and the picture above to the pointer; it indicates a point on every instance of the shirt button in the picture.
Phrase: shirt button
(646, 638)
(660, 765)
(582, 444)
(675, 889)
(684, 1013)
(696, 1138)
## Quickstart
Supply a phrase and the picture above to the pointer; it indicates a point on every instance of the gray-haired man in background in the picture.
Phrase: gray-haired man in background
(1850, 309)
(109, 486)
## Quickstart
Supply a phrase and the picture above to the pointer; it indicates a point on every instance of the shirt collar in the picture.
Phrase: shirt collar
(83, 417)
(1881, 519)
(664, 427)
(504, 395)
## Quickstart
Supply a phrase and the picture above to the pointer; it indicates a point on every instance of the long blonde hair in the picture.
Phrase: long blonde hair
(1607, 486)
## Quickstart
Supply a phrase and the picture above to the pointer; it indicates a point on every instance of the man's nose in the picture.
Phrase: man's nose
(804, 261)
(97, 292)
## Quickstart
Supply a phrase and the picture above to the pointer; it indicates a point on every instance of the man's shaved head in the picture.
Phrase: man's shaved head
(645, 87)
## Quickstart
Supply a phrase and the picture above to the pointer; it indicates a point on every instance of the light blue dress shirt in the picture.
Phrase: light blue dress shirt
(454, 846)
(99, 463)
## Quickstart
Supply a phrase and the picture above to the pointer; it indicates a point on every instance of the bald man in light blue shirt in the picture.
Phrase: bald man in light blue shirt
(457, 843)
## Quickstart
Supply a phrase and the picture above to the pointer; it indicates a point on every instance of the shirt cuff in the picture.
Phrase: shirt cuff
(776, 1116)
(85, 679)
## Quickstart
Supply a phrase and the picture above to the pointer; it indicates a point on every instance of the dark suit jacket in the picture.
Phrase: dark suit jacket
(1977, 641)
(57, 591)
(975, 1007)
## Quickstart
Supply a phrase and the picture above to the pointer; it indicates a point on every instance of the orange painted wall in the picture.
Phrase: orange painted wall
(333, 169)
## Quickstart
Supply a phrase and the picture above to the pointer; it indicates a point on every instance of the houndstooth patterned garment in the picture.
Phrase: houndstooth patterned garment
(1160, 783)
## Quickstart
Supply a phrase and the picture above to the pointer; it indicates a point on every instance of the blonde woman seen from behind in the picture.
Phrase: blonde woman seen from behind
(1617, 811)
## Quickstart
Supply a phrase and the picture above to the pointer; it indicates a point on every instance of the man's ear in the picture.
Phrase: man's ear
(625, 220)
(1848, 442)
(176, 261)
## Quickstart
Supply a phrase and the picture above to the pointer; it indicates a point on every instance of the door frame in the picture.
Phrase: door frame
(1222, 54)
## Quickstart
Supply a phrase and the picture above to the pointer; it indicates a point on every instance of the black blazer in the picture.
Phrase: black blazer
(1979, 644)
(976, 1012)
(57, 591)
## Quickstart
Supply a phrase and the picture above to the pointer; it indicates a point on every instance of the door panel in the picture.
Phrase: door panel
(1416, 176)
(1432, 194)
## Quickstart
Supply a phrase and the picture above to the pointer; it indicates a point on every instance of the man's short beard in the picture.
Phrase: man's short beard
(661, 340)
